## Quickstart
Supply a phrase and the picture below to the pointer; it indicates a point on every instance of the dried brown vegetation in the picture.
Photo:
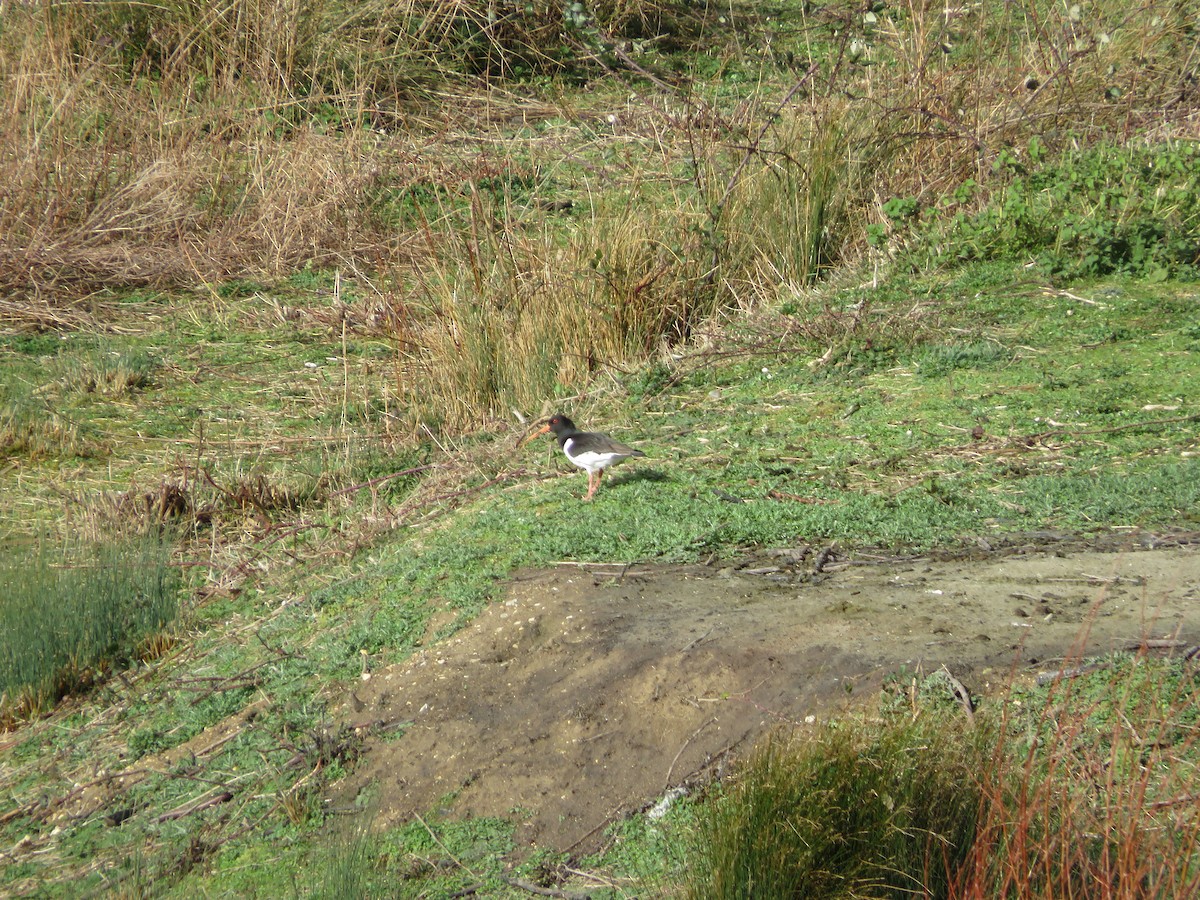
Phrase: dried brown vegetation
(255, 139)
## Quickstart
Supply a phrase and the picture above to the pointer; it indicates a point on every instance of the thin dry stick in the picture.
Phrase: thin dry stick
(822, 560)
(762, 132)
(437, 840)
(195, 806)
(604, 823)
(691, 737)
(1195, 417)
(452, 495)
(599, 879)
(382, 478)
(698, 640)
(961, 694)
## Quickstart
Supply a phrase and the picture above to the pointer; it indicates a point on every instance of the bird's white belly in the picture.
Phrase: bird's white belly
(590, 459)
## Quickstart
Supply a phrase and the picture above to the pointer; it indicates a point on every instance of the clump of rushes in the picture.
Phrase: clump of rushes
(514, 318)
(852, 810)
(72, 613)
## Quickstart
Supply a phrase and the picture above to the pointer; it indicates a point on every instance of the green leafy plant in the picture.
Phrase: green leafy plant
(937, 360)
(1130, 210)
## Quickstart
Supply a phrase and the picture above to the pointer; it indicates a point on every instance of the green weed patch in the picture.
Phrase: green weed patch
(1105, 210)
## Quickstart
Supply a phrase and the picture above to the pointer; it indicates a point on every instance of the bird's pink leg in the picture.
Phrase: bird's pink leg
(593, 483)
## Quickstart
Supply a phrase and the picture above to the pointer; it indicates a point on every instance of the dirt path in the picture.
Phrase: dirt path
(589, 691)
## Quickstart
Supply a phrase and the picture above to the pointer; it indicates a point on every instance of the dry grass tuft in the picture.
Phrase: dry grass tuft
(1088, 791)
(171, 500)
(1103, 801)
(36, 432)
(513, 318)
(971, 83)
(259, 208)
(115, 375)
(191, 501)
(168, 176)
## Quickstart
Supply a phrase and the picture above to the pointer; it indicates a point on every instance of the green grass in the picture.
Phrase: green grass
(1124, 209)
(72, 613)
(274, 281)
(880, 437)
(885, 450)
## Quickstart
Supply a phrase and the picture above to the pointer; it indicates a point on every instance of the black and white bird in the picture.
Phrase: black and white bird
(589, 450)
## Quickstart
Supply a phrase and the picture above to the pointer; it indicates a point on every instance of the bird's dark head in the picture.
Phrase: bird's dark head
(560, 424)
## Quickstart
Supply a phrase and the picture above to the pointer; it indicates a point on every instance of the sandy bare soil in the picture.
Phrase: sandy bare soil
(589, 691)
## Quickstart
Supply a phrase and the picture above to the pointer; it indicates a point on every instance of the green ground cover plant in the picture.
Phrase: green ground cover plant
(1107, 209)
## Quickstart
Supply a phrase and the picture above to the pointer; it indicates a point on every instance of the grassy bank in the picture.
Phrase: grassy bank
(913, 444)
(290, 285)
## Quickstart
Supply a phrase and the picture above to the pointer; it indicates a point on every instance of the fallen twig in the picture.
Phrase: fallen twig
(210, 684)
(822, 560)
(195, 806)
(606, 882)
(961, 694)
(823, 359)
(691, 737)
(1045, 678)
(1157, 644)
(1174, 801)
(796, 498)
(702, 637)
(382, 478)
(77, 790)
(1147, 423)
(454, 495)
(437, 840)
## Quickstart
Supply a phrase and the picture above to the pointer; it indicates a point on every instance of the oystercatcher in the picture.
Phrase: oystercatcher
(587, 449)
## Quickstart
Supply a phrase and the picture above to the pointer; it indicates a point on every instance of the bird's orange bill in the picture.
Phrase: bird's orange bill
(545, 429)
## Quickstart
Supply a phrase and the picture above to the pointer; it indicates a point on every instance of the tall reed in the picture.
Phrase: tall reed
(1093, 793)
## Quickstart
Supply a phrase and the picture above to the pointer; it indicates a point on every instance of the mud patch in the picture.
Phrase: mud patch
(589, 691)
